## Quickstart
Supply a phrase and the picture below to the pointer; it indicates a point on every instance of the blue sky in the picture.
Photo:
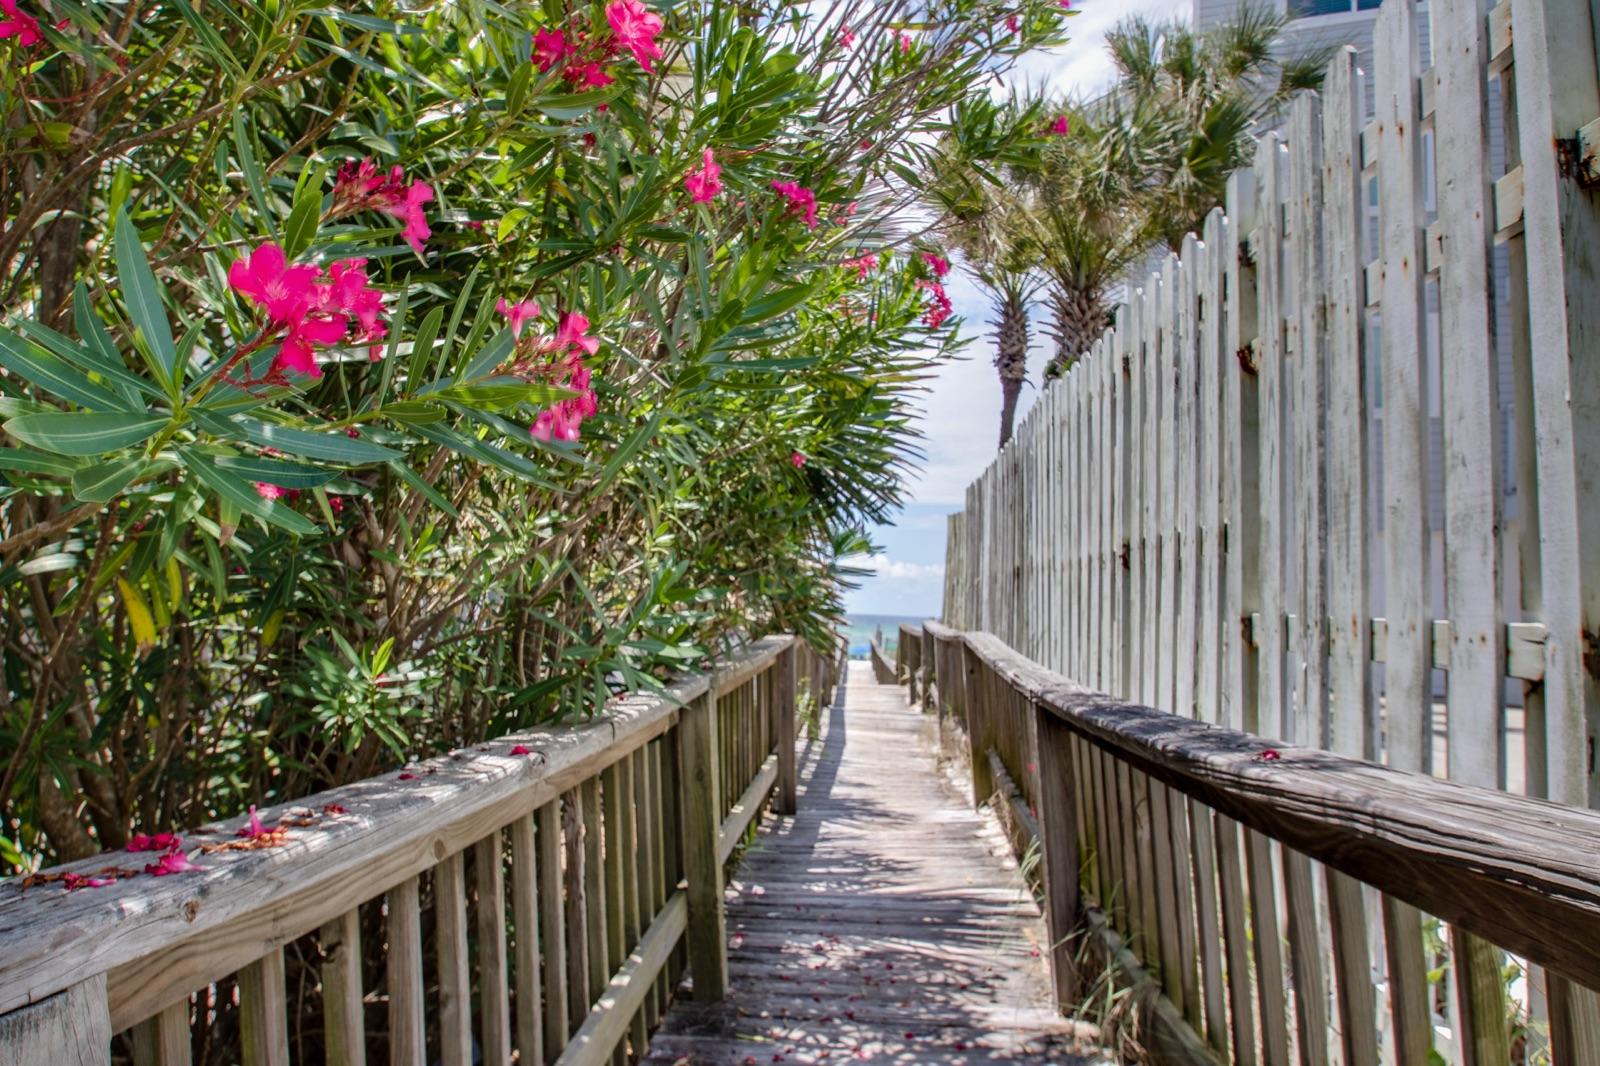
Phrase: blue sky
(961, 409)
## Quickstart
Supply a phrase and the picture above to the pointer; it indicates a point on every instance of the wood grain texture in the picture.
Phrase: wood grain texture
(526, 980)
(343, 1022)
(886, 906)
(699, 777)
(165, 1039)
(160, 938)
(494, 982)
(1521, 872)
(407, 1046)
(263, 1015)
(70, 1028)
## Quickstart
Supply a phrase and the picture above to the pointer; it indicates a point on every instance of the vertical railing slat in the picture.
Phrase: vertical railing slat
(525, 914)
(407, 1046)
(493, 982)
(455, 976)
(343, 1023)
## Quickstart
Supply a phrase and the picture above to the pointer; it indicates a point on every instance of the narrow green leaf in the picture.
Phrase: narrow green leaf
(56, 376)
(333, 447)
(142, 293)
(28, 461)
(103, 481)
(84, 434)
(304, 218)
(278, 472)
(243, 495)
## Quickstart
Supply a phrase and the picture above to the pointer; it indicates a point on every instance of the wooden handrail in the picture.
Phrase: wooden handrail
(151, 941)
(1523, 873)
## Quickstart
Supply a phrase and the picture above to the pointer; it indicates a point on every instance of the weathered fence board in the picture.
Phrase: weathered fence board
(1330, 479)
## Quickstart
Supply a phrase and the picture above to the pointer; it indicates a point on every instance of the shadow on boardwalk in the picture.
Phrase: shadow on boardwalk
(883, 923)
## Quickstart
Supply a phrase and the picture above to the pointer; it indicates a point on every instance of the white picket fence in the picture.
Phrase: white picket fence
(1223, 511)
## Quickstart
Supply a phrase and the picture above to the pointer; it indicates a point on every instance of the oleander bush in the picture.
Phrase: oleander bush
(376, 377)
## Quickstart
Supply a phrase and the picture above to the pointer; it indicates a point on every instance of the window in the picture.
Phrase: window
(1304, 8)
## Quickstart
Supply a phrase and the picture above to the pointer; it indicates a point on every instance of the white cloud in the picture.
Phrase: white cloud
(889, 569)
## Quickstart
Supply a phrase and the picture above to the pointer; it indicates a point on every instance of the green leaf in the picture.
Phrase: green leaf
(333, 447)
(142, 293)
(243, 495)
(414, 412)
(28, 461)
(103, 481)
(304, 217)
(499, 394)
(55, 376)
(247, 163)
(84, 434)
(277, 471)
(574, 105)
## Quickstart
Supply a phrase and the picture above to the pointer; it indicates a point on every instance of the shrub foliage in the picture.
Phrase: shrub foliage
(284, 496)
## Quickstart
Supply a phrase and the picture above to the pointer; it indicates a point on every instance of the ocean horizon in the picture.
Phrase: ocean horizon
(860, 627)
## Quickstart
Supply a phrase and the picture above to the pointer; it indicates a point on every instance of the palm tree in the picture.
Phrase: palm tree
(982, 217)
(1143, 165)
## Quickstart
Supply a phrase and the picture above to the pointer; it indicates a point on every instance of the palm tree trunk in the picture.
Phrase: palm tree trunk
(1078, 318)
(1011, 359)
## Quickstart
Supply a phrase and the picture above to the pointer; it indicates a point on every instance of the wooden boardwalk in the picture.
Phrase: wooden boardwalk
(884, 923)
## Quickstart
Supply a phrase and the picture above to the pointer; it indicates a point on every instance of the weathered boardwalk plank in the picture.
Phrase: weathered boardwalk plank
(882, 923)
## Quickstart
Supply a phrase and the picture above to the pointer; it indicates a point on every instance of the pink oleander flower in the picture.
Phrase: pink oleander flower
(254, 829)
(19, 24)
(77, 881)
(562, 420)
(939, 308)
(800, 201)
(862, 264)
(905, 41)
(308, 309)
(173, 862)
(1060, 127)
(157, 842)
(705, 183)
(846, 37)
(1014, 24)
(266, 278)
(936, 263)
(1065, 5)
(635, 27)
(571, 332)
(550, 47)
(589, 76)
(521, 749)
(410, 212)
(360, 186)
(797, 459)
(518, 313)
(269, 492)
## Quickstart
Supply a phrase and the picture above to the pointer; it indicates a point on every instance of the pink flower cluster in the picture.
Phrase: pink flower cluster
(846, 37)
(862, 264)
(936, 263)
(633, 26)
(800, 201)
(559, 361)
(1060, 127)
(307, 308)
(705, 183)
(797, 459)
(361, 186)
(19, 24)
(939, 308)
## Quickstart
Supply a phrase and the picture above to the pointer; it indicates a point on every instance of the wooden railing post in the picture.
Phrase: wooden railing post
(702, 815)
(1058, 842)
(71, 1028)
(783, 687)
(978, 696)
